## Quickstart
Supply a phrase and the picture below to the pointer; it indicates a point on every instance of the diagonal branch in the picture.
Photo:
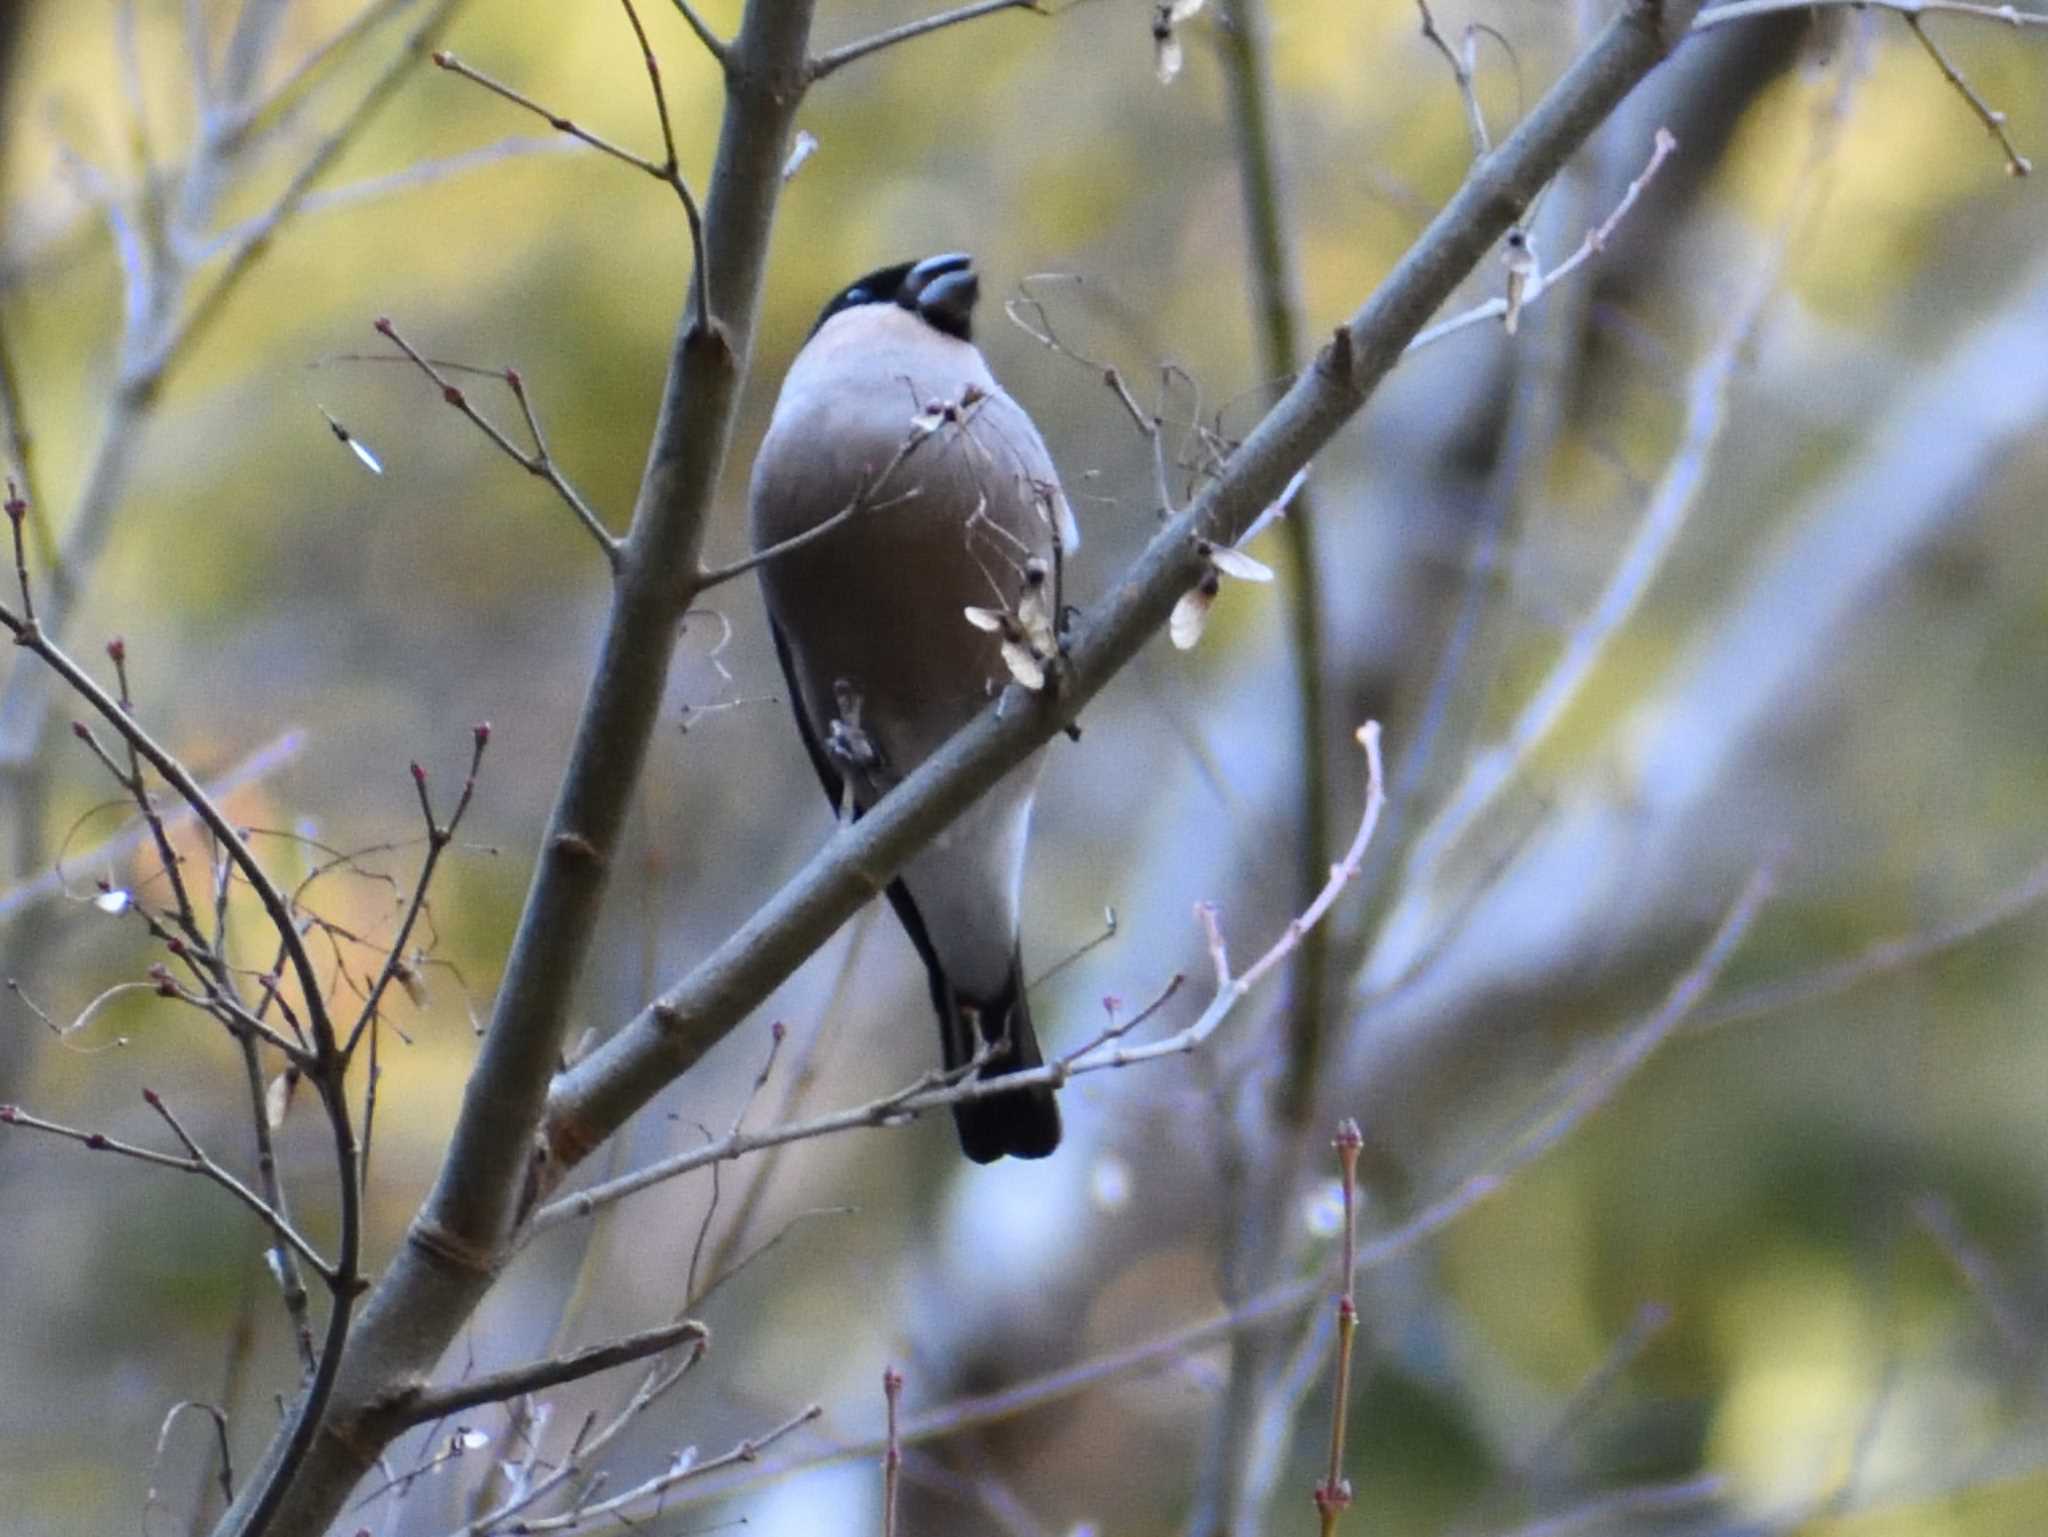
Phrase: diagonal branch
(834, 59)
(417, 1406)
(453, 1249)
(716, 46)
(540, 463)
(596, 1096)
(863, 501)
(194, 1161)
(938, 1089)
(1572, 1108)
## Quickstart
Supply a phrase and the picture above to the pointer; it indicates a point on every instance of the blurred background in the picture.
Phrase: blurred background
(1730, 560)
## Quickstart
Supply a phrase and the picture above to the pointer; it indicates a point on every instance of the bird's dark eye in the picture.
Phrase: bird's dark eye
(857, 296)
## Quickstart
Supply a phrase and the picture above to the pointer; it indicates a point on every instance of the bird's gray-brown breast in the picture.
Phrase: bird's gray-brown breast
(879, 601)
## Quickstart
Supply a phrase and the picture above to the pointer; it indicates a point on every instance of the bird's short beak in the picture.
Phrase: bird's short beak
(948, 301)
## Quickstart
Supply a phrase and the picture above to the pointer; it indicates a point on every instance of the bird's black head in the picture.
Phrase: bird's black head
(940, 289)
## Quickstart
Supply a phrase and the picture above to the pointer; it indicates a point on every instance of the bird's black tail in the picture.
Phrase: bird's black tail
(1022, 1124)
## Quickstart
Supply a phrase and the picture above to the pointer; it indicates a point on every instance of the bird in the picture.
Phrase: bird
(929, 533)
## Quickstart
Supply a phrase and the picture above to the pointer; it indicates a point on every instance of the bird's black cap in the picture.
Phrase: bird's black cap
(940, 289)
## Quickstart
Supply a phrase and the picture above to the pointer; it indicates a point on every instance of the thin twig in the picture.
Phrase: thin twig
(863, 500)
(1285, 1298)
(412, 178)
(1540, 282)
(1109, 931)
(714, 45)
(16, 508)
(892, 1453)
(252, 118)
(538, 463)
(618, 1508)
(450, 1258)
(1993, 120)
(672, 170)
(407, 1409)
(1118, 1028)
(1877, 959)
(936, 1090)
(193, 1161)
(1937, 1217)
(667, 171)
(291, 1285)
(1462, 72)
(1728, 11)
(260, 233)
(224, 1459)
(1333, 1494)
(1544, 1453)
(1629, 1509)
(328, 1066)
(778, 1032)
(833, 59)
(439, 836)
(1664, 517)
(20, 448)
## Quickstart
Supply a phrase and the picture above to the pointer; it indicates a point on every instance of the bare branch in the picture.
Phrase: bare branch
(1993, 120)
(1540, 282)
(215, 1415)
(1720, 15)
(1333, 1494)
(20, 450)
(1543, 1135)
(439, 836)
(714, 45)
(940, 1089)
(259, 765)
(1663, 517)
(418, 1406)
(250, 118)
(538, 463)
(1462, 72)
(194, 1161)
(892, 1453)
(667, 171)
(618, 1510)
(29, 635)
(1877, 959)
(595, 1096)
(863, 501)
(834, 59)
(453, 1246)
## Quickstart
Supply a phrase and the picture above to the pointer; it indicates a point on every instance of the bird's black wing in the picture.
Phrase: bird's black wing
(1027, 1123)
(959, 1048)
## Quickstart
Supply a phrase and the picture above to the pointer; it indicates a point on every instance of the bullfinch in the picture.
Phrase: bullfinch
(935, 585)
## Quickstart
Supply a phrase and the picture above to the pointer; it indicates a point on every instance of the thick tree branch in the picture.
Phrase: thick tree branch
(455, 1243)
(596, 1096)
(938, 1088)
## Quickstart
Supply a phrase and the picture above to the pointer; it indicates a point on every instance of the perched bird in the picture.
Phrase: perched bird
(936, 585)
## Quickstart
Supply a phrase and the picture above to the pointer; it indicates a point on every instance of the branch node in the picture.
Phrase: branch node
(1338, 361)
(577, 848)
(445, 1250)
